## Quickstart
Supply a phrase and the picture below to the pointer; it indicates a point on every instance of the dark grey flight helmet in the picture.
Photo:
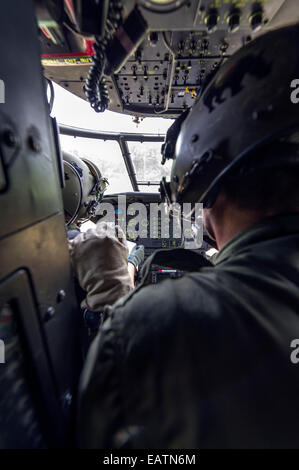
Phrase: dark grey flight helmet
(84, 188)
(246, 106)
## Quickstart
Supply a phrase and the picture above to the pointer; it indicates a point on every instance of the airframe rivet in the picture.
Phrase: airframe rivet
(33, 144)
(9, 138)
(61, 295)
(50, 312)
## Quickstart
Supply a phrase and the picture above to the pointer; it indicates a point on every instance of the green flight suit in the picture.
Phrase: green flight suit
(202, 361)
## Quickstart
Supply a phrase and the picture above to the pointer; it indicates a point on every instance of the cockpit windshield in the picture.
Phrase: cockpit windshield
(107, 154)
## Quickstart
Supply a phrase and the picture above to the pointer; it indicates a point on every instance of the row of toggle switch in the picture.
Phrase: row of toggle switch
(233, 19)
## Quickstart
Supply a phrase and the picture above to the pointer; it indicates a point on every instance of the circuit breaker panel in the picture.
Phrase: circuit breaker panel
(177, 52)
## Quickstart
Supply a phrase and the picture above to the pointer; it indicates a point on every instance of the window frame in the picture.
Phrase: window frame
(122, 139)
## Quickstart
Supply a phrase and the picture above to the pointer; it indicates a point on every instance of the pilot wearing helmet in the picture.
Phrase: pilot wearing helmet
(83, 191)
(100, 255)
(204, 361)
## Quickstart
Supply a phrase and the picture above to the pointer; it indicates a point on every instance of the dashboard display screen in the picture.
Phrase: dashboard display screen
(151, 226)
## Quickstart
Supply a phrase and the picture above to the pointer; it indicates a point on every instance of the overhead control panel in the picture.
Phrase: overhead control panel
(183, 44)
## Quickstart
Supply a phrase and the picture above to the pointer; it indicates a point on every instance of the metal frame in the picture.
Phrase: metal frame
(122, 138)
(36, 283)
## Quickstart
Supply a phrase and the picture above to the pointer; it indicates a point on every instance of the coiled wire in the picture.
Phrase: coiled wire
(95, 88)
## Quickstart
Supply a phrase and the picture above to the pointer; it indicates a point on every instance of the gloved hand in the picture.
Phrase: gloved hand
(136, 256)
(99, 258)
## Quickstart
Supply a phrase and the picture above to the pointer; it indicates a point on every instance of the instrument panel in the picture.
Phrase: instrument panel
(143, 225)
(148, 228)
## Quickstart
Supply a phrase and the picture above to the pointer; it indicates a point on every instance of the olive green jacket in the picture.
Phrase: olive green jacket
(203, 361)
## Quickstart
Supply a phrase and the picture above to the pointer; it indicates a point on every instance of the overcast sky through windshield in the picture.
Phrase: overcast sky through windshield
(73, 111)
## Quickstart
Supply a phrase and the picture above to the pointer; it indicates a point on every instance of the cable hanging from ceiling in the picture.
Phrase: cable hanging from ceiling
(95, 88)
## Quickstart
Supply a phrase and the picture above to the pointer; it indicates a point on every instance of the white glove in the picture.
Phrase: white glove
(100, 262)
